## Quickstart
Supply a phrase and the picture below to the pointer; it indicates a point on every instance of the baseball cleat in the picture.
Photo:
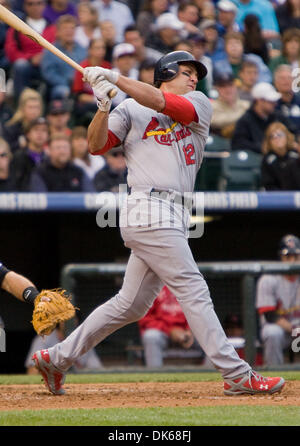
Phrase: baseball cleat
(53, 378)
(253, 383)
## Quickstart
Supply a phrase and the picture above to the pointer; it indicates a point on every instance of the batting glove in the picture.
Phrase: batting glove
(101, 92)
(94, 74)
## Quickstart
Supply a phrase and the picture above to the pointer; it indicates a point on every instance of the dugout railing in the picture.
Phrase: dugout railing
(232, 286)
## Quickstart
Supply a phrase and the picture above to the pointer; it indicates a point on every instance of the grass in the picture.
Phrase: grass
(189, 416)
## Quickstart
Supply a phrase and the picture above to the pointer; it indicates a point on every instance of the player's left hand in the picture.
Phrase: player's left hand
(101, 92)
(92, 75)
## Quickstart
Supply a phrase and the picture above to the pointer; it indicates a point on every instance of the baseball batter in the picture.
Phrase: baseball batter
(163, 129)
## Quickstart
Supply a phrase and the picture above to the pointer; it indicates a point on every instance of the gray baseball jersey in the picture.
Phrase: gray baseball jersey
(276, 292)
(159, 152)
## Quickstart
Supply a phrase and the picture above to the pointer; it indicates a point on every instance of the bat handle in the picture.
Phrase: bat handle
(112, 92)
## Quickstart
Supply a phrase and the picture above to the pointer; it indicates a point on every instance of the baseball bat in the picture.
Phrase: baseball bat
(14, 22)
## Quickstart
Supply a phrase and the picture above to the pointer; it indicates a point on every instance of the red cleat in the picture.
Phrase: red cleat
(253, 383)
(53, 378)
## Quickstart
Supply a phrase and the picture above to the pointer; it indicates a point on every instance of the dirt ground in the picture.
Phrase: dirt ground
(90, 396)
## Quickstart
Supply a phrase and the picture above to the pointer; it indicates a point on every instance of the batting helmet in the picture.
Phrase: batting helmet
(289, 244)
(167, 67)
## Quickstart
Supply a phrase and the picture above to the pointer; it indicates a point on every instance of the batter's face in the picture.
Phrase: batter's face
(185, 81)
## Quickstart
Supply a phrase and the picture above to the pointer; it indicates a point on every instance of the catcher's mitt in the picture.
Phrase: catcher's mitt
(47, 314)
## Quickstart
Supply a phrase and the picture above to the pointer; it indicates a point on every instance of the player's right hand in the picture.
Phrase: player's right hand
(92, 75)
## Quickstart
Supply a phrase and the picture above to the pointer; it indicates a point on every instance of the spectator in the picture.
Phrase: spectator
(289, 103)
(214, 43)
(108, 32)
(250, 128)
(234, 57)
(198, 49)
(113, 173)
(25, 159)
(124, 61)
(57, 74)
(5, 111)
(24, 53)
(227, 108)
(255, 42)
(265, 12)
(208, 10)
(57, 8)
(146, 72)
(116, 12)
(142, 53)
(188, 13)
(90, 361)
(290, 54)
(292, 171)
(84, 98)
(58, 116)
(88, 28)
(278, 148)
(58, 173)
(247, 78)
(148, 15)
(288, 15)
(4, 62)
(80, 154)
(166, 34)
(277, 302)
(5, 160)
(30, 107)
(226, 15)
(164, 325)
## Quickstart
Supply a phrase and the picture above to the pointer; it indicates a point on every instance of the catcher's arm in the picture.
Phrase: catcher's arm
(17, 285)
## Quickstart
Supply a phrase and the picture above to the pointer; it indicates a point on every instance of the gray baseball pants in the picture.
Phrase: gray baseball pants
(158, 257)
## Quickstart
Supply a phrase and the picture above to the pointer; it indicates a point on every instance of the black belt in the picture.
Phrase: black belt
(170, 196)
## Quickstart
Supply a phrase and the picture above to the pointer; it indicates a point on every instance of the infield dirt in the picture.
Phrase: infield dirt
(103, 395)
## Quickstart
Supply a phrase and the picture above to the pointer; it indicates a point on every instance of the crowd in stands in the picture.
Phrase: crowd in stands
(251, 49)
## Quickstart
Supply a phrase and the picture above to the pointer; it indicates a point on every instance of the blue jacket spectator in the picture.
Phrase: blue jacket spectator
(235, 56)
(214, 43)
(59, 75)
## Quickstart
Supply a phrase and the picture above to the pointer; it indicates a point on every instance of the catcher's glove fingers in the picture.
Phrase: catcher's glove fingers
(94, 74)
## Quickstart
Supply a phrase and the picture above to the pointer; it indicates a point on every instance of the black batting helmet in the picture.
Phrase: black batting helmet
(167, 67)
(289, 244)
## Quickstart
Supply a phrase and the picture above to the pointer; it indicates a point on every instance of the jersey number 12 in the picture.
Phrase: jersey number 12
(189, 153)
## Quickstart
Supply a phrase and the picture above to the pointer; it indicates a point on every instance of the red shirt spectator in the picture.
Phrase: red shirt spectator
(165, 314)
(18, 46)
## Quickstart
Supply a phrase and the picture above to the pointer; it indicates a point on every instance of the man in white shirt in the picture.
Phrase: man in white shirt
(117, 13)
